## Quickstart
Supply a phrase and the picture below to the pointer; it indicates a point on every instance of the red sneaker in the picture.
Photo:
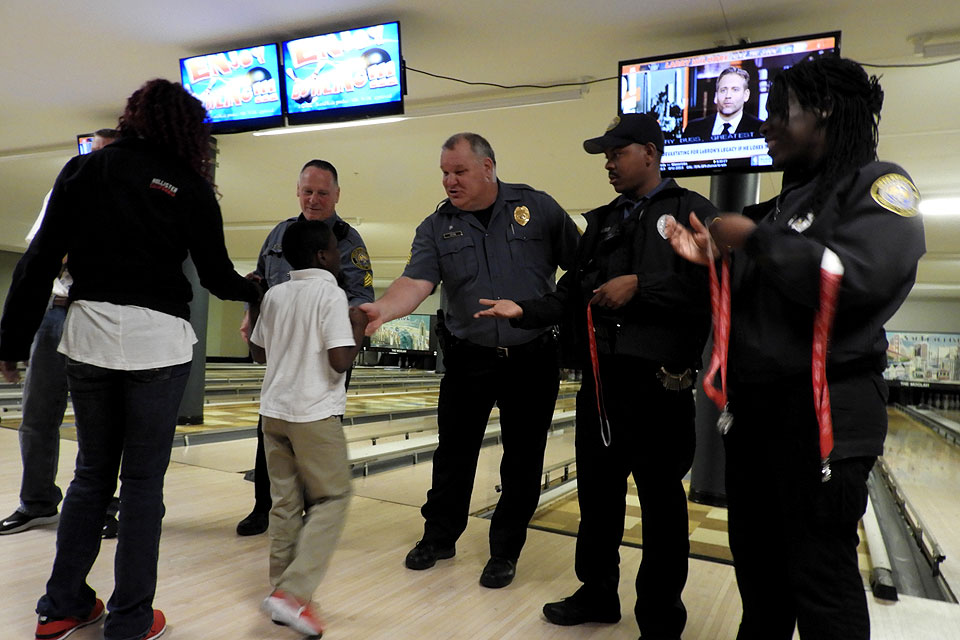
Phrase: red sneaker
(289, 611)
(59, 628)
(158, 627)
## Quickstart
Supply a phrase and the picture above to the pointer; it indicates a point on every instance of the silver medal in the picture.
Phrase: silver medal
(725, 421)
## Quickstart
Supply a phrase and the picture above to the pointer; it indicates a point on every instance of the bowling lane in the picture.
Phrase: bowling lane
(927, 467)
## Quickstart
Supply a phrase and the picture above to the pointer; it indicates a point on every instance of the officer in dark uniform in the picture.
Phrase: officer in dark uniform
(650, 316)
(488, 239)
(318, 192)
(841, 217)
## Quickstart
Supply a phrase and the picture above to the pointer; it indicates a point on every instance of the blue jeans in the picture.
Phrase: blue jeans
(125, 423)
(44, 401)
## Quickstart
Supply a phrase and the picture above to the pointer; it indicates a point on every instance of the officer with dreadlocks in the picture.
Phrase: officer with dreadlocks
(816, 272)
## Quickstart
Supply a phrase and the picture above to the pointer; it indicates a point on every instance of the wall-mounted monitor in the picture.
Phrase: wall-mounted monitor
(711, 103)
(85, 143)
(344, 75)
(407, 334)
(241, 89)
(923, 357)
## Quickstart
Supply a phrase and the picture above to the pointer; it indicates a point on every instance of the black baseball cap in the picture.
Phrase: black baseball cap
(627, 129)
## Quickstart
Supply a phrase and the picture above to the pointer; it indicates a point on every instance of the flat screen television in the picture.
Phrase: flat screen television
(240, 88)
(407, 334)
(693, 94)
(85, 143)
(344, 75)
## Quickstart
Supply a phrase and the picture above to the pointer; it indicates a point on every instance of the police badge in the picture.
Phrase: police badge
(662, 225)
(360, 258)
(895, 192)
(522, 215)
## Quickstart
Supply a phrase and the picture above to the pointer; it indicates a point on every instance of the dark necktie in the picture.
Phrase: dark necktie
(726, 129)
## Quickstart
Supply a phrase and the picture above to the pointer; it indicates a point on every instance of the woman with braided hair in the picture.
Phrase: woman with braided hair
(126, 216)
(815, 273)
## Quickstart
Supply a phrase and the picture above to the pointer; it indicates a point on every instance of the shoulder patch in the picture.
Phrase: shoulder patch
(360, 258)
(896, 193)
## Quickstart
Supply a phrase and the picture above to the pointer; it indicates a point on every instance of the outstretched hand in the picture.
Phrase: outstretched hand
(690, 243)
(499, 309)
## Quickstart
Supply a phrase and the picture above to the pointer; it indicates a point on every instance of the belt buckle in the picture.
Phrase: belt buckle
(503, 352)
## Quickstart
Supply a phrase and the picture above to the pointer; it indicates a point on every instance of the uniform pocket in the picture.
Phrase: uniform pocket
(458, 260)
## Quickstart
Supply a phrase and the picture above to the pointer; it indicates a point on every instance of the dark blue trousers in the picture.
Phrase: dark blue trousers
(125, 423)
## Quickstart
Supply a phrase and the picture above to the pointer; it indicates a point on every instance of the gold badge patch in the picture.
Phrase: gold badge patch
(613, 123)
(896, 193)
(522, 215)
(360, 259)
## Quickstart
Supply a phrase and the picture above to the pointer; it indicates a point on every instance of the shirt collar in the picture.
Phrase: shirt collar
(308, 274)
(628, 202)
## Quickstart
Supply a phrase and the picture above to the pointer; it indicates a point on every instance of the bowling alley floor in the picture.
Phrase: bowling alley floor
(211, 581)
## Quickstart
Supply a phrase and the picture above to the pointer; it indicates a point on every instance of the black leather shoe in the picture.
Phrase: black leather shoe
(254, 524)
(426, 554)
(578, 609)
(498, 573)
(110, 528)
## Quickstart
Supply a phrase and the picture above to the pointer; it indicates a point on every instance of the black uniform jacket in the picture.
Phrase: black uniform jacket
(667, 320)
(776, 288)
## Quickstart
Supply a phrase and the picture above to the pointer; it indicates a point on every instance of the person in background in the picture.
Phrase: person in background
(488, 239)
(308, 337)
(649, 317)
(806, 415)
(43, 405)
(318, 191)
(127, 339)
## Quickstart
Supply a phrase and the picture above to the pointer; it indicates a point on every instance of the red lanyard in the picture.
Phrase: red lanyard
(720, 307)
(595, 364)
(831, 272)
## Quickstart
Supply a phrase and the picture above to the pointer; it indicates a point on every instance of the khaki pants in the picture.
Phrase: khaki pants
(307, 463)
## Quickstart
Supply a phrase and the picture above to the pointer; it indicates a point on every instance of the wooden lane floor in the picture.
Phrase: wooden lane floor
(373, 403)
(211, 581)
(927, 468)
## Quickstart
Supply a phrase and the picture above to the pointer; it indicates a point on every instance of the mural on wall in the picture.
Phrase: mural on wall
(923, 357)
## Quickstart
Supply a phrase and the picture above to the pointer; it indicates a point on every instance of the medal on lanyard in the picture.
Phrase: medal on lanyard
(720, 310)
(831, 273)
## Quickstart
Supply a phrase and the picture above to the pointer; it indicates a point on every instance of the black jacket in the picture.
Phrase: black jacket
(776, 292)
(667, 320)
(126, 216)
(776, 278)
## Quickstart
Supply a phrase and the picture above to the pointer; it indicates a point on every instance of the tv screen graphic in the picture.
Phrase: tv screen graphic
(923, 357)
(240, 88)
(85, 143)
(344, 75)
(711, 103)
(409, 333)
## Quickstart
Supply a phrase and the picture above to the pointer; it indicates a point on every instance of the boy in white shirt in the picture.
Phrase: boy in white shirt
(308, 337)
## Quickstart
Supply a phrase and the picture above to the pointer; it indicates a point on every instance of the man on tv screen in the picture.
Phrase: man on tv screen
(733, 91)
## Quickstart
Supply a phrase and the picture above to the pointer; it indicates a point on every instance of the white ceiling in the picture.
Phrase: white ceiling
(69, 66)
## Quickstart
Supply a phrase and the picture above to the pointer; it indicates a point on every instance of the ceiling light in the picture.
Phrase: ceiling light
(926, 49)
(330, 125)
(940, 206)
